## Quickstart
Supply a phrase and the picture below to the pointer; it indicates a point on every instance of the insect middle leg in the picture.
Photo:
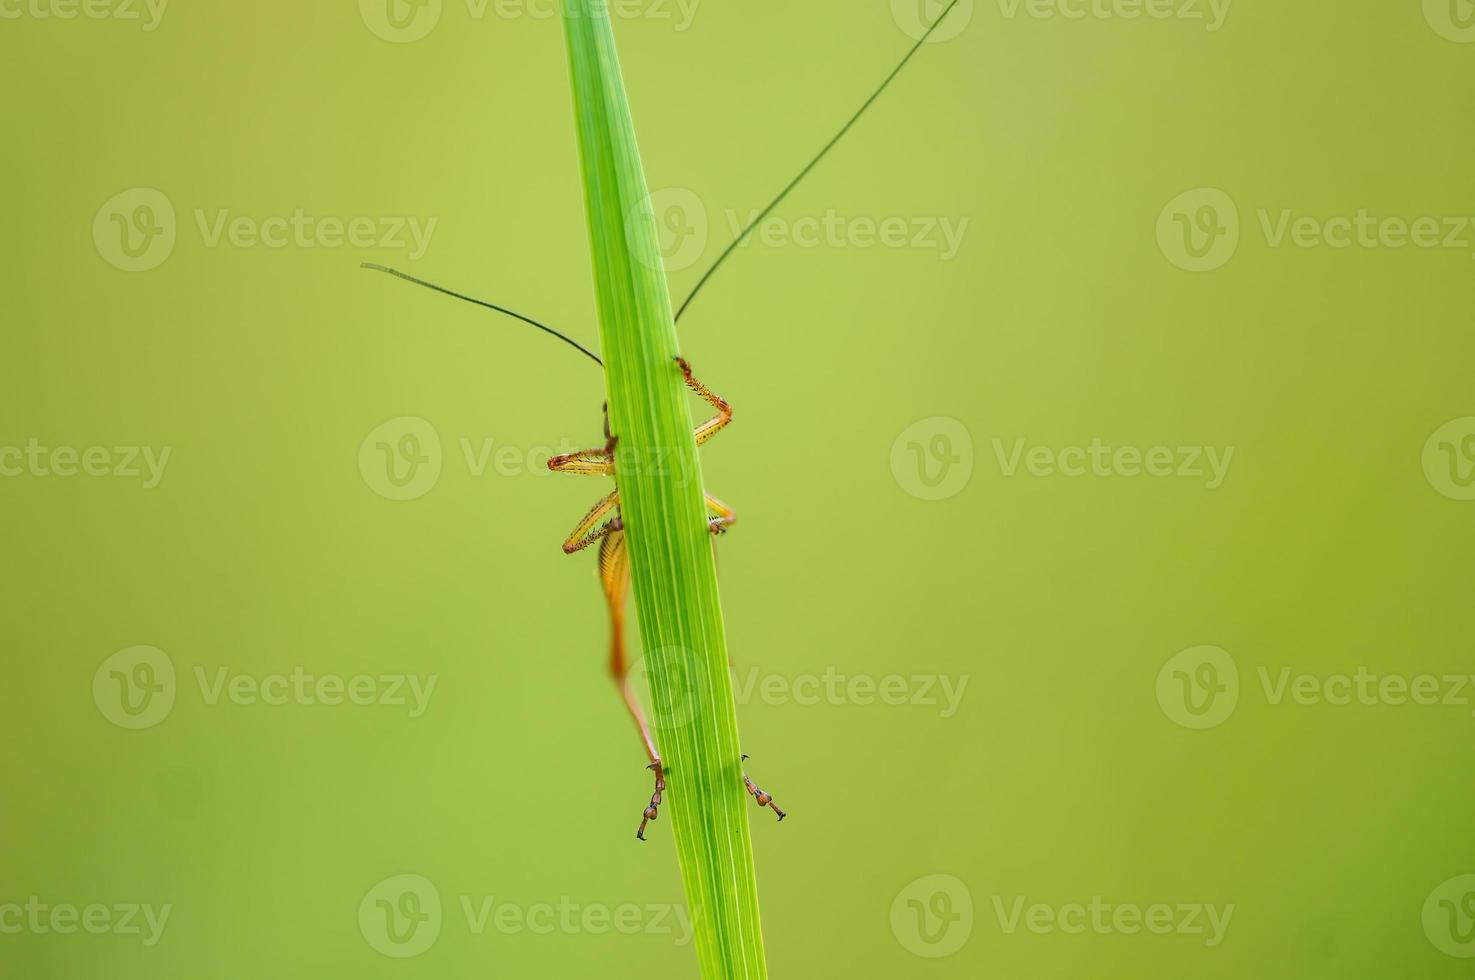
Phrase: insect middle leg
(586, 533)
(726, 516)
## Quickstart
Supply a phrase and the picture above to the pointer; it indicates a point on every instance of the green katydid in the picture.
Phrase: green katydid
(603, 525)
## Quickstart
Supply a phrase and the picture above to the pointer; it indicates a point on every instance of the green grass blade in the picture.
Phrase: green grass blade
(675, 577)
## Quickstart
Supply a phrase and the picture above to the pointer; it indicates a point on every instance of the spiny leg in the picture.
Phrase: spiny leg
(726, 516)
(586, 533)
(713, 426)
(614, 575)
(763, 798)
(589, 462)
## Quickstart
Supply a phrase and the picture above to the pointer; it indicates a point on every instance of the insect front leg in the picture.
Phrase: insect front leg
(713, 426)
(589, 462)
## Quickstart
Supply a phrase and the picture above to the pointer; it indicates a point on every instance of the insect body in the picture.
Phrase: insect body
(603, 525)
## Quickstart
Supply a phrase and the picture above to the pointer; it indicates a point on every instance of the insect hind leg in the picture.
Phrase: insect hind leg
(614, 576)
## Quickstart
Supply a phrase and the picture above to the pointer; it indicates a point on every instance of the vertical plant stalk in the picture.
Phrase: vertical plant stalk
(661, 503)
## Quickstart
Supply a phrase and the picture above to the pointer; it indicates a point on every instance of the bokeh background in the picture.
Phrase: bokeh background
(1129, 730)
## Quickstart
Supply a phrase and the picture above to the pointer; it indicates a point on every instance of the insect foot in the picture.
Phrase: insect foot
(652, 811)
(763, 798)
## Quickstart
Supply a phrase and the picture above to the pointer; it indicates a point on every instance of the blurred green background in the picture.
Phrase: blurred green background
(881, 393)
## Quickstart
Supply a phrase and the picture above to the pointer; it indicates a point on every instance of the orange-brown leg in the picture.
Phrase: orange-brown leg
(713, 426)
(587, 533)
(614, 575)
(726, 516)
(763, 798)
(590, 462)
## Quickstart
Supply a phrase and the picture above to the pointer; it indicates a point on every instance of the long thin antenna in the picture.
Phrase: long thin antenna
(812, 163)
(491, 306)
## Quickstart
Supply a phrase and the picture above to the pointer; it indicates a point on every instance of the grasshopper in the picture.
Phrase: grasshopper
(602, 525)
